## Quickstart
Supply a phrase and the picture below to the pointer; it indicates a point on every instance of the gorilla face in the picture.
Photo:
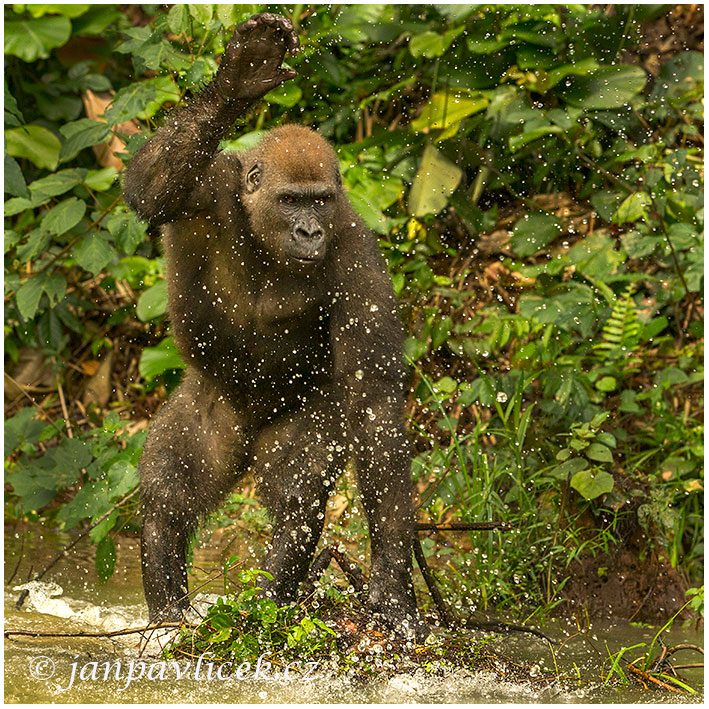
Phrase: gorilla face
(293, 221)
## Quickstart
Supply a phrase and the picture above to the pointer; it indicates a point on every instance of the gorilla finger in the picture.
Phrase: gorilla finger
(248, 25)
(293, 42)
(287, 74)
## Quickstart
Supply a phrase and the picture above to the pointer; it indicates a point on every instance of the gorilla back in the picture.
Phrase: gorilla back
(283, 310)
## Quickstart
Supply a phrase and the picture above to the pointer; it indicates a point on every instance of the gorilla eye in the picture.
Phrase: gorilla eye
(253, 178)
(289, 199)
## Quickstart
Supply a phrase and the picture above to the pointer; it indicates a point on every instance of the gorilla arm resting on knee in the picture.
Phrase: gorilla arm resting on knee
(280, 302)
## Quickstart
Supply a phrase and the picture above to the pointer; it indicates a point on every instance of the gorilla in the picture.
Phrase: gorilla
(283, 310)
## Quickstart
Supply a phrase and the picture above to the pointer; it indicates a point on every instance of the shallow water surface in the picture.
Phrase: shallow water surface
(60, 670)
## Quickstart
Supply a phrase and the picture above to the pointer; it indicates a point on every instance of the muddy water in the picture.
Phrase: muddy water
(59, 670)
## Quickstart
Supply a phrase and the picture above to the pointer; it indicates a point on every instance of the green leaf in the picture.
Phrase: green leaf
(30, 292)
(130, 101)
(35, 143)
(569, 467)
(101, 180)
(519, 141)
(16, 205)
(64, 216)
(431, 44)
(436, 179)
(201, 13)
(157, 360)
(287, 95)
(533, 232)
(440, 332)
(81, 134)
(28, 296)
(93, 252)
(447, 108)
(633, 208)
(13, 115)
(627, 402)
(153, 302)
(582, 68)
(39, 9)
(606, 384)
(127, 230)
(105, 559)
(607, 87)
(14, 179)
(32, 39)
(178, 18)
(55, 287)
(599, 452)
(57, 183)
(590, 484)
(228, 14)
(22, 428)
(95, 20)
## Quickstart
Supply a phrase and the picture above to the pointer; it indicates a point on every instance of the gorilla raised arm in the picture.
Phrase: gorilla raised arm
(282, 308)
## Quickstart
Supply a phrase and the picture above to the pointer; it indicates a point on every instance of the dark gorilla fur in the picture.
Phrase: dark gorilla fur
(282, 307)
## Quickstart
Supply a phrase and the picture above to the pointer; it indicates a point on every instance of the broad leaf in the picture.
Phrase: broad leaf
(607, 87)
(64, 216)
(81, 134)
(434, 183)
(35, 143)
(591, 484)
(446, 108)
(14, 179)
(57, 183)
(157, 360)
(93, 252)
(153, 302)
(533, 232)
(32, 39)
(130, 101)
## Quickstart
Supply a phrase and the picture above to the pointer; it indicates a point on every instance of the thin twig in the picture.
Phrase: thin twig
(649, 678)
(461, 526)
(95, 633)
(430, 580)
(71, 545)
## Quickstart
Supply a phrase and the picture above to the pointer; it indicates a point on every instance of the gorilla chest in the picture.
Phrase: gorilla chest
(289, 342)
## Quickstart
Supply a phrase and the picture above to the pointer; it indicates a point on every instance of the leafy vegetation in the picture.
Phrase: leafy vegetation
(536, 184)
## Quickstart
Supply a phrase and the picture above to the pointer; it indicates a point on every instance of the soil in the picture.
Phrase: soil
(621, 586)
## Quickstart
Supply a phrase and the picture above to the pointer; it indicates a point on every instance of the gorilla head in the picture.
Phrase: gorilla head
(290, 188)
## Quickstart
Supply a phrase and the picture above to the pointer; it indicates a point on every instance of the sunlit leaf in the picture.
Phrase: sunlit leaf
(591, 484)
(36, 143)
(435, 181)
(446, 108)
(33, 39)
(154, 361)
(607, 87)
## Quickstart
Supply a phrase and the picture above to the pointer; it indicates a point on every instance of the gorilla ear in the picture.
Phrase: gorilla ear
(253, 177)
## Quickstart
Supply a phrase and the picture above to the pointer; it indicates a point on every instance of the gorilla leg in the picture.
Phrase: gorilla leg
(191, 459)
(297, 461)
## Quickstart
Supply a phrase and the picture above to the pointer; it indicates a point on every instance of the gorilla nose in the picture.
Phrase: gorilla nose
(309, 234)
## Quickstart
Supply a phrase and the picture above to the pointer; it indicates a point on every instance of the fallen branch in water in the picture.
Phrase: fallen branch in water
(68, 547)
(653, 680)
(96, 633)
(461, 526)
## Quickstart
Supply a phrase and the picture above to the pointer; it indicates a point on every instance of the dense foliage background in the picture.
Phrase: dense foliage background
(534, 174)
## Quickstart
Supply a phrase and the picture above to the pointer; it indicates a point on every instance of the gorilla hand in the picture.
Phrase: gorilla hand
(251, 65)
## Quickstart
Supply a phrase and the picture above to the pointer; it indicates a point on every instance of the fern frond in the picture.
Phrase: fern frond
(621, 332)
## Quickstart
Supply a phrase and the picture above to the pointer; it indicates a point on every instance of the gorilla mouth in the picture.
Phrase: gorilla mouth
(306, 259)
